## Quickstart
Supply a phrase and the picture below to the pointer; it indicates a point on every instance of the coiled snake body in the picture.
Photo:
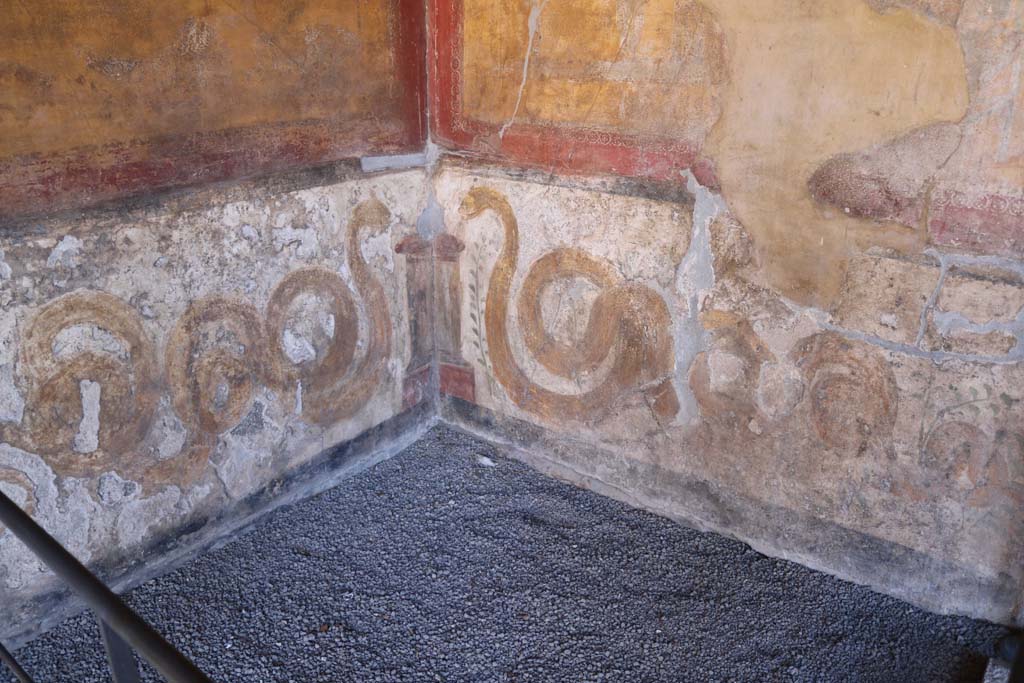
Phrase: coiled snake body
(212, 378)
(332, 389)
(629, 317)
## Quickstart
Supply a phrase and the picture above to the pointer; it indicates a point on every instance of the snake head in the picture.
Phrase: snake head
(475, 202)
(371, 215)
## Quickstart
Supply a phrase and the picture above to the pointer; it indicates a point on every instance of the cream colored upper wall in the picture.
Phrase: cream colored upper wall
(797, 110)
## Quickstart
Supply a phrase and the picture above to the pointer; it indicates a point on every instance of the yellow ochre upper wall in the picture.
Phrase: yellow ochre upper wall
(100, 98)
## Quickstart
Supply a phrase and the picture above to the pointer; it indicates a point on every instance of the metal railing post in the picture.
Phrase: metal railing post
(110, 610)
(8, 659)
(123, 667)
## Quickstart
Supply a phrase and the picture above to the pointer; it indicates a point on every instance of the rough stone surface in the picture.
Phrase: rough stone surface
(451, 562)
(885, 297)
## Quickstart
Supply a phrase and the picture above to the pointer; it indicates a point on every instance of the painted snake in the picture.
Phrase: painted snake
(331, 388)
(631, 317)
(218, 352)
(53, 407)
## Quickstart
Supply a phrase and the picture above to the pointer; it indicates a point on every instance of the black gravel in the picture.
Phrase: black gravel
(438, 566)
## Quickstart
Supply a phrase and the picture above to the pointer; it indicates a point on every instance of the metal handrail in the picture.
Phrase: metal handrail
(1010, 649)
(12, 664)
(123, 630)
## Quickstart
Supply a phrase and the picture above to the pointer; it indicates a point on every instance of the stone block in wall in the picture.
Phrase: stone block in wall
(885, 296)
(993, 344)
(978, 310)
(981, 297)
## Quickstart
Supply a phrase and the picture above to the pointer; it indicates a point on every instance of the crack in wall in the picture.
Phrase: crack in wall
(948, 322)
(932, 298)
(821, 318)
(532, 23)
(694, 280)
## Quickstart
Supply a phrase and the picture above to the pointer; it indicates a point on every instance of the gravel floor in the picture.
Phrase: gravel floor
(451, 563)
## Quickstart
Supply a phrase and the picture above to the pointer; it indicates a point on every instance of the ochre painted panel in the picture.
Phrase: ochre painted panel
(103, 98)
